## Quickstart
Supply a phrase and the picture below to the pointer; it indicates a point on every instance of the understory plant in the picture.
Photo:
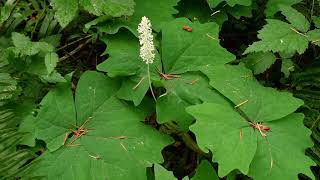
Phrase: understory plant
(156, 90)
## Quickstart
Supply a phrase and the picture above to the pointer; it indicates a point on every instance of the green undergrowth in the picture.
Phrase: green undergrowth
(233, 91)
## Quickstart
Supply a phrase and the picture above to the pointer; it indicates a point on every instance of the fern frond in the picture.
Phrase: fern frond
(12, 160)
(307, 83)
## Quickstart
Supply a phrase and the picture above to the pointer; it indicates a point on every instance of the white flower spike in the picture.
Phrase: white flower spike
(146, 41)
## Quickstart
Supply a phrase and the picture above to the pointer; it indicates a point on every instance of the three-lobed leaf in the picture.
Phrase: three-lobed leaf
(223, 131)
(235, 143)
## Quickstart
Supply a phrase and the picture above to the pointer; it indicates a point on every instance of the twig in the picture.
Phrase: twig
(62, 47)
(74, 51)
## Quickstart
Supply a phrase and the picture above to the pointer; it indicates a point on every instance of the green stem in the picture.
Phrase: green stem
(154, 97)
(187, 139)
(311, 11)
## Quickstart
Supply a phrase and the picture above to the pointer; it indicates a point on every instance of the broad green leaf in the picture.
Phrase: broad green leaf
(113, 147)
(124, 60)
(184, 51)
(215, 3)
(237, 145)
(51, 60)
(314, 36)
(273, 6)
(159, 12)
(259, 62)
(278, 36)
(56, 116)
(123, 49)
(286, 145)
(222, 130)
(162, 174)
(113, 8)
(65, 11)
(205, 171)
(59, 114)
(93, 90)
(296, 19)
(171, 107)
(134, 89)
(190, 89)
(257, 102)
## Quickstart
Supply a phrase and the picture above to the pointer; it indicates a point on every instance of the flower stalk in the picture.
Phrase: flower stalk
(147, 48)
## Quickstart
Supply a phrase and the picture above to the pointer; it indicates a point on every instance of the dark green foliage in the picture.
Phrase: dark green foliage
(233, 91)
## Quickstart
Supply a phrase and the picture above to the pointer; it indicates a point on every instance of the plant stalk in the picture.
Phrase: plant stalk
(150, 85)
(187, 139)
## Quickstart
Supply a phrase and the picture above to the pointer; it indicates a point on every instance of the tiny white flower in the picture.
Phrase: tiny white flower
(146, 41)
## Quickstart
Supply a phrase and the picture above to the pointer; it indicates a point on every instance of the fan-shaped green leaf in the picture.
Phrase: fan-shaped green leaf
(57, 115)
(237, 145)
(222, 130)
(106, 141)
(283, 151)
(258, 102)
(184, 51)
(113, 147)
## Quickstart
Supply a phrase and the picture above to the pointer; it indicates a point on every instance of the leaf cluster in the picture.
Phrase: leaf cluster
(77, 96)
